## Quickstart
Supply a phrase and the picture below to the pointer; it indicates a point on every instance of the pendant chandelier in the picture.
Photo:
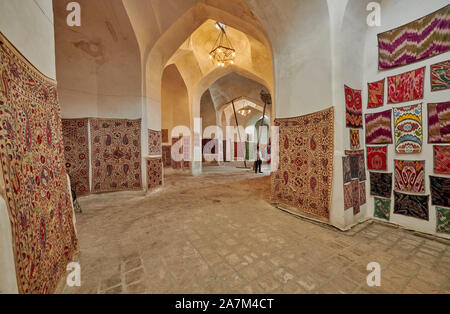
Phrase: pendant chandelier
(244, 112)
(223, 52)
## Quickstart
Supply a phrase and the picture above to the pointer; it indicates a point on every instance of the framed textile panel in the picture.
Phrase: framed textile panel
(439, 123)
(440, 191)
(443, 220)
(355, 196)
(305, 173)
(76, 152)
(376, 94)
(440, 76)
(357, 164)
(441, 159)
(418, 40)
(415, 206)
(410, 176)
(154, 143)
(362, 193)
(378, 128)
(408, 129)
(377, 158)
(154, 173)
(37, 193)
(354, 139)
(406, 86)
(348, 196)
(382, 208)
(381, 184)
(353, 105)
(346, 169)
(116, 155)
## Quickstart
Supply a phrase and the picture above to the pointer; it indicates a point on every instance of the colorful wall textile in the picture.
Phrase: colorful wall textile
(154, 143)
(424, 38)
(440, 76)
(354, 139)
(443, 220)
(355, 196)
(346, 169)
(32, 163)
(154, 173)
(411, 205)
(116, 155)
(348, 196)
(376, 94)
(406, 86)
(441, 159)
(377, 158)
(408, 131)
(439, 123)
(76, 152)
(378, 128)
(382, 208)
(410, 176)
(353, 105)
(440, 191)
(381, 184)
(304, 177)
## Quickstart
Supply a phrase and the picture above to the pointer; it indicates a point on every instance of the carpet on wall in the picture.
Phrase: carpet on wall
(378, 128)
(408, 130)
(406, 86)
(377, 158)
(346, 168)
(441, 159)
(421, 39)
(353, 105)
(357, 164)
(32, 163)
(440, 76)
(355, 196)
(304, 177)
(116, 155)
(409, 176)
(376, 94)
(348, 196)
(154, 173)
(154, 143)
(440, 191)
(415, 206)
(76, 152)
(439, 123)
(362, 193)
(381, 184)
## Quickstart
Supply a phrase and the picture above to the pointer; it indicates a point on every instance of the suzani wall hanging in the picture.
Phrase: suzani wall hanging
(76, 152)
(154, 173)
(381, 184)
(443, 220)
(406, 86)
(410, 176)
(304, 177)
(439, 123)
(378, 128)
(415, 206)
(354, 139)
(376, 94)
(408, 130)
(154, 143)
(441, 158)
(424, 38)
(440, 191)
(440, 76)
(116, 155)
(35, 179)
(382, 208)
(353, 105)
(377, 158)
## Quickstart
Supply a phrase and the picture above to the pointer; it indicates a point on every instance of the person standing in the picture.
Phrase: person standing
(259, 161)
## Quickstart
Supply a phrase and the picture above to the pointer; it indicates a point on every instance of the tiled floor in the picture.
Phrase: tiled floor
(218, 234)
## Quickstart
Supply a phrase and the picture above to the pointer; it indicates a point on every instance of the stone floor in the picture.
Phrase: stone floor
(217, 233)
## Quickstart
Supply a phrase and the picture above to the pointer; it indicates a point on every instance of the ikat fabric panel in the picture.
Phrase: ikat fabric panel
(381, 184)
(421, 39)
(440, 76)
(353, 105)
(410, 176)
(415, 206)
(440, 191)
(406, 86)
(441, 159)
(376, 94)
(439, 123)
(408, 131)
(377, 158)
(378, 128)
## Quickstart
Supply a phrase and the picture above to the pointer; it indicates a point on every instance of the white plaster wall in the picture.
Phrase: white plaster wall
(394, 14)
(28, 24)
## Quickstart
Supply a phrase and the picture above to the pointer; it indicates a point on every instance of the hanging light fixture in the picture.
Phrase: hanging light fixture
(223, 52)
